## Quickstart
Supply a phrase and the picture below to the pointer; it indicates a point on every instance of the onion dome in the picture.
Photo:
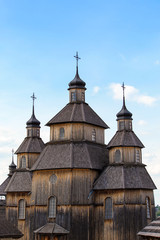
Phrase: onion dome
(77, 82)
(12, 166)
(124, 113)
(33, 122)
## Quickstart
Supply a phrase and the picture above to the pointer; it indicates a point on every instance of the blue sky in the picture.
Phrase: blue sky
(116, 40)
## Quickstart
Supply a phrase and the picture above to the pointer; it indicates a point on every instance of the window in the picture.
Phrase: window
(21, 209)
(138, 155)
(53, 179)
(73, 96)
(23, 162)
(130, 125)
(52, 207)
(61, 133)
(37, 133)
(94, 135)
(108, 208)
(117, 156)
(29, 132)
(83, 98)
(148, 208)
(121, 125)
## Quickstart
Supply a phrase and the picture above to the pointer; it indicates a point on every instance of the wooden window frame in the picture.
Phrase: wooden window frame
(22, 162)
(148, 208)
(52, 209)
(73, 97)
(108, 210)
(93, 135)
(138, 157)
(61, 133)
(117, 156)
(21, 209)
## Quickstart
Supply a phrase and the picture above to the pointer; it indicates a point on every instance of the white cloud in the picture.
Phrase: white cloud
(132, 94)
(147, 100)
(142, 122)
(96, 89)
(153, 163)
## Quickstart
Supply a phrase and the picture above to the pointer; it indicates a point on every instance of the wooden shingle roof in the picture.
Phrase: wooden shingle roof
(20, 182)
(31, 145)
(8, 230)
(77, 112)
(4, 185)
(51, 228)
(152, 230)
(125, 139)
(85, 155)
(124, 177)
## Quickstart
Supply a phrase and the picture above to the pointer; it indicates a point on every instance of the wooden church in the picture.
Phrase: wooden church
(75, 187)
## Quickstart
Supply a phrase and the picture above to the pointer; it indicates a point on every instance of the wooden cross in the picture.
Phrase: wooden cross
(77, 58)
(123, 93)
(33, 97)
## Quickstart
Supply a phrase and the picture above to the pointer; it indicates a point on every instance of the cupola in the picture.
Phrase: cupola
(125, 146)
(124, 117)
(33, 125)
(12, 166)
(77, 87)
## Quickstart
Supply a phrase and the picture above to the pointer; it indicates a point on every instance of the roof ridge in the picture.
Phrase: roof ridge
(73, 110)
(57, 114)
(83, 115)
(88, 155)
(123, 177)
(8, 185)
(54, 226)
(71, 154)
(35, 165)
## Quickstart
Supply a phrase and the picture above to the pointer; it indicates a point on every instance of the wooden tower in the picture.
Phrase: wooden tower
(18, 190)
(124, 190)
(64, 173)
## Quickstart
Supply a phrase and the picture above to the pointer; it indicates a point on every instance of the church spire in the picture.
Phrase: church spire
(12, 166)
(33, 122)
(33, 97)
(77, 82)
(77, 86)
(124, 113)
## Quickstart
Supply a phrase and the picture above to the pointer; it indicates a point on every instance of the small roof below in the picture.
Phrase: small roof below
(8, 230)
(62, 155)
(20, 182)
(51, 228)
(77, 113)
(152, 230)
(31, 145)
(125, 139)
(4, 185)
(124, 177)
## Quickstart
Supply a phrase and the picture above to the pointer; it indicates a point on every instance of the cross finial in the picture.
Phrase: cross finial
(77, 59)
(12, 155)
(123, 93)
(33, 97)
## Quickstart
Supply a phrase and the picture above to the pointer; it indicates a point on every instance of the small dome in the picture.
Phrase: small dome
(124, 113)
(33, 122)
(77, 82)
(12, 165)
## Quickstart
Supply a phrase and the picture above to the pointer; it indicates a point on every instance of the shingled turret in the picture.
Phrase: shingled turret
(31, 147)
